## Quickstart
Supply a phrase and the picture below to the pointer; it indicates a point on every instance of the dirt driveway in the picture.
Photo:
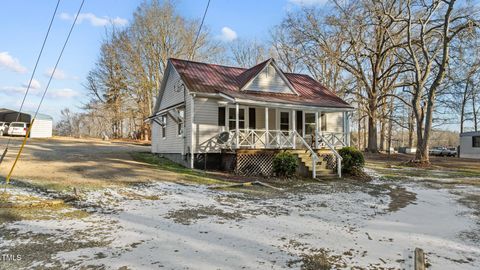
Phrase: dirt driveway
(75, 162)
(155, 224)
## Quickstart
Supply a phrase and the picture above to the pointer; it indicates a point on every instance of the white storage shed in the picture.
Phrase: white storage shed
(42, 128)
(470, 145)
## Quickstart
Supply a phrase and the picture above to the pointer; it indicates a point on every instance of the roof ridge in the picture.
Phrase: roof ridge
(204, 63)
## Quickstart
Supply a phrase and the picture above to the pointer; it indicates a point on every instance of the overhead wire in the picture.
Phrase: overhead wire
(31, 77)
(192, 54)
(44, 94)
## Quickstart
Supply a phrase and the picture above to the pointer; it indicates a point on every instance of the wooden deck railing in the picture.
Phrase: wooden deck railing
(285, 139)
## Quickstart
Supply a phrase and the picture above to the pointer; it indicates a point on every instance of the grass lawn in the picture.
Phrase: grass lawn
(443, 169)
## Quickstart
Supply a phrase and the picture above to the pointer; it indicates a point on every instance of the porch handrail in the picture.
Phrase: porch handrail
(333, 137)
(339, 158)
(315, 157)
(266, 138)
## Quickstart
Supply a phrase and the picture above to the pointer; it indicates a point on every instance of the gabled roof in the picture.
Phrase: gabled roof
(211, 78)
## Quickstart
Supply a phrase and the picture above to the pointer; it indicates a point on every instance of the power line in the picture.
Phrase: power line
(58, 59)
(192, 55)
(44, 93)
(33, 73)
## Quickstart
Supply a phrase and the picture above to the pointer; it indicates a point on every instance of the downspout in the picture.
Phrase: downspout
(192, 113)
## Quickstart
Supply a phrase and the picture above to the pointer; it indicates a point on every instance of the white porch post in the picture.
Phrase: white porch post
(316, 129)
(294, 127)
(237, 124)
(266, 127)
(303, 124)
(192, 129)
(346, 128)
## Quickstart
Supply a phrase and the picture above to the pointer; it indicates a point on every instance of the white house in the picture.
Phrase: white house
(42, 127)
(232, 118)
(470, 145)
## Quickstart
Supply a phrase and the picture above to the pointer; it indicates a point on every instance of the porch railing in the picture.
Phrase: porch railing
(257, 138)
(331, 146)
(332, 138)
(281, 139)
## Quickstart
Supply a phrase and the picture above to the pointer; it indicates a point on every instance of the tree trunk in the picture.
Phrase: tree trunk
(359, 132)
(474, 107)
(382, 134)
(411, 129)
(372, 128)
(364, 133)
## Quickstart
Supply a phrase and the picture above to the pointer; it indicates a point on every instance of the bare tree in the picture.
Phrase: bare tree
(246, 53)
(431, 28)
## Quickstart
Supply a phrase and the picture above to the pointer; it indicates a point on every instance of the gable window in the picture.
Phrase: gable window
(323, 116)
(180, 126)
(163, 125)
(476, 141)
(221, 116)
(232, 118)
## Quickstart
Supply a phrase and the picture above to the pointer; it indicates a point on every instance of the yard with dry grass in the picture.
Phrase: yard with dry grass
(133, 210)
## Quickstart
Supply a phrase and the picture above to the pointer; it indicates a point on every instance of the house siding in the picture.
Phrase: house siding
(172, 143)
(173, 93)
(269, 81)
(205, 125)
(334, 122)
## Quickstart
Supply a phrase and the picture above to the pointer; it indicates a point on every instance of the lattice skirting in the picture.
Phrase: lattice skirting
(331, 161)
(255, 164)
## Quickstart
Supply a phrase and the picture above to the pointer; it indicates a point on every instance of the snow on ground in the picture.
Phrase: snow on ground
(173, 226)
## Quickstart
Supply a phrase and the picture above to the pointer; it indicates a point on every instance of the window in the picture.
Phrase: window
(221, 116)
(284, 120)
(180, 126)
(232, 116)
(476, 141)
(309, 123)
(323, 116)
(163, 125)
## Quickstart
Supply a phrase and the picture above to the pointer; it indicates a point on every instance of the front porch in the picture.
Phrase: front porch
(306, 129)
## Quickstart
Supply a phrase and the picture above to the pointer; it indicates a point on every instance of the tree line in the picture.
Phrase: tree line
(406, 65)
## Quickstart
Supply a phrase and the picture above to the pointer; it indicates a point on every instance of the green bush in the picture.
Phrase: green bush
(353, 160)
(284, 164)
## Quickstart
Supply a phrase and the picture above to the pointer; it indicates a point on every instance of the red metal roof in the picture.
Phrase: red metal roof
(212, 78)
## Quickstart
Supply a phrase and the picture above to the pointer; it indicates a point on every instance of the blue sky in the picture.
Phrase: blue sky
(23, 30)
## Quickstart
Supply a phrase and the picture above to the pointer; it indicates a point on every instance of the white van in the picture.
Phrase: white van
(17, 129)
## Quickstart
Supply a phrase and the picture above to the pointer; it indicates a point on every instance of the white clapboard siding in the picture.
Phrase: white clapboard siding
(205, 125)
(269, 81)
(173, 92)
(334, 122)
(172, 143)
(172, 95)
(42, 128)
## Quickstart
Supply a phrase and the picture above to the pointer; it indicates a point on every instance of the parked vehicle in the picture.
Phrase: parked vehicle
(3, 128)
(17, 129)
(443, 151)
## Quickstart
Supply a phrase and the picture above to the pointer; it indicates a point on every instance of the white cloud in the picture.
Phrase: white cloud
(309, 2)
(13, 89)
(63, 93)
(227, 34)
(11, 63)
(94, 19)
(34, 85)
(59, 74)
